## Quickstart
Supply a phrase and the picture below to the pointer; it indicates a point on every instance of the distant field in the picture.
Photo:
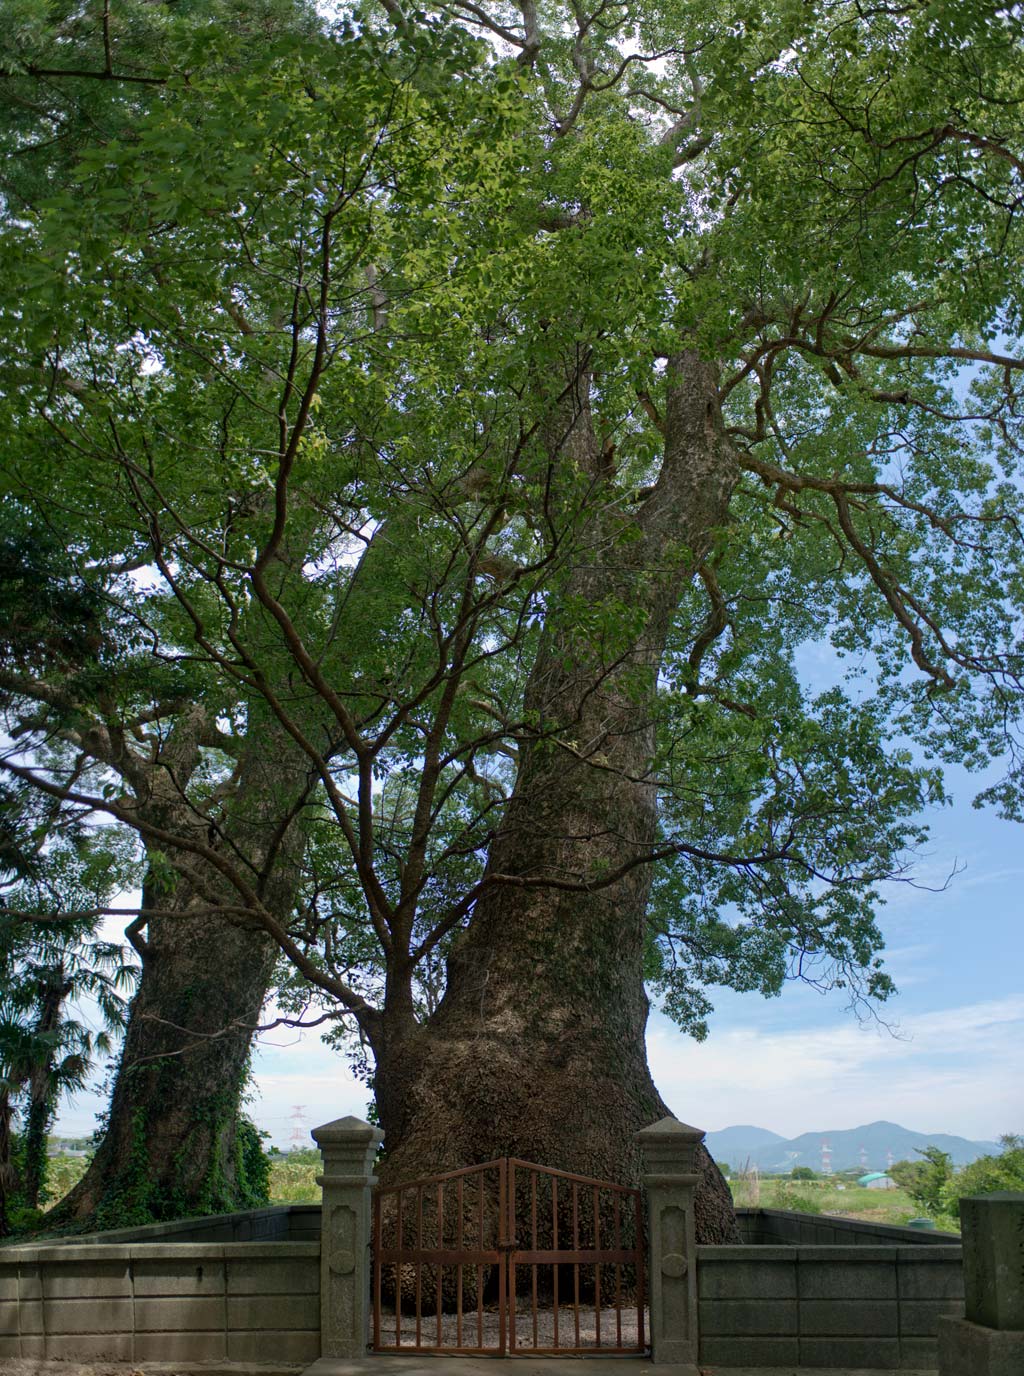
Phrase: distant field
(823, 1196)
(294, 1182)
(291, 1182)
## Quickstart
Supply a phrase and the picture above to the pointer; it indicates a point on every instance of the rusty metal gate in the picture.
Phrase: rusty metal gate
(507, 1257)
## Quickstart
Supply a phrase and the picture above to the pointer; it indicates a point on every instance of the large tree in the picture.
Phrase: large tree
(482, 490)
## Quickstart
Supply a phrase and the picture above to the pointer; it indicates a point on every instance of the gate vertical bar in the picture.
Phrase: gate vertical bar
(618, 1275)
(576, 1265)
(554, 1247)
(533, 1234)
(438, 1268)
(597, 1266)
(502, 1254)
(510, 1237)
(419, 1264)
(459, 1205)
(398, 1277)
(480, 1269)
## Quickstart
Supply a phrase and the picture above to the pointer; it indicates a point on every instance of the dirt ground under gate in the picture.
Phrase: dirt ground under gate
(481, 1330)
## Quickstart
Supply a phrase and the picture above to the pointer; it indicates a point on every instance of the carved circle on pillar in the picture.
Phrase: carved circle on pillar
(670, 1179)
(348, 1147)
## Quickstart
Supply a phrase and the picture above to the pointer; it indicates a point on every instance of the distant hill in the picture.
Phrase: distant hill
(772, 1153)
(736, 1144)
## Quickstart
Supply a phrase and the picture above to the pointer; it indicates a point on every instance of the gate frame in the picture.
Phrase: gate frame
(506, 1256)
(669, 1149)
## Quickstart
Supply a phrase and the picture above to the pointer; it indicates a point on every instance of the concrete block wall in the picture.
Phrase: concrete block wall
(276, 1223)
(784, 1227)
(168, 1301)
(825, 1306)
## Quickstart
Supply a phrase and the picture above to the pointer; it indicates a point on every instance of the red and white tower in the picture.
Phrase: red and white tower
(826, 1158)
(299, 1134)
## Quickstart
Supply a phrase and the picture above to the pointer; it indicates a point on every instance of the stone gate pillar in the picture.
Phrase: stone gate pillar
(989, 1341)
(670, 1153)
(348, 1146)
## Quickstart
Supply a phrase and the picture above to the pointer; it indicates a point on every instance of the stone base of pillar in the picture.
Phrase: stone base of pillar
(970, 1349)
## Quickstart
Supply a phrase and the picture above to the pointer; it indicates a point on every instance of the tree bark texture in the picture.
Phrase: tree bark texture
(169, 1150)
(171, 1145)
(537, 1049)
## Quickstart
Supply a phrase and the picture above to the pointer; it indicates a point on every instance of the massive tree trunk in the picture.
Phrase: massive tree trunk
(537, 1049)
(172, 1147)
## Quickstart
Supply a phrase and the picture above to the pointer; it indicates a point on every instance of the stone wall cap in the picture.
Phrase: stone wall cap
(931, 1255)
(348, 1129)
(671, 1130)
(997, 1196)
(225, 1251)
(744, 1251)
(816, 1252)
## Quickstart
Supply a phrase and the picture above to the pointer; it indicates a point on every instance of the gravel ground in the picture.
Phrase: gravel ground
(482, 1330)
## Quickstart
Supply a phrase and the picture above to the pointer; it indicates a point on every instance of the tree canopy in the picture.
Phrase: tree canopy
(384, 393)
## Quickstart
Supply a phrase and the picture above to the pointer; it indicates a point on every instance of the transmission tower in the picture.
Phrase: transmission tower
(826, 1158)
(299, 1134)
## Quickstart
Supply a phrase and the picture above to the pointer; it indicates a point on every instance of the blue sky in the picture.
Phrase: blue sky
(953, 1062)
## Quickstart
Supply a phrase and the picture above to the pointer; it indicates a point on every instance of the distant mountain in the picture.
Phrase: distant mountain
(869, 1145)
(736, 1144)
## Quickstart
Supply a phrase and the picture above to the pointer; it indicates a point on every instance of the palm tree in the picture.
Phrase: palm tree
(51, 967)
(44, 1052)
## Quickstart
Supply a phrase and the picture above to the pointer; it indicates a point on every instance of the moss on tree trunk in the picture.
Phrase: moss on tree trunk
(171, 1148)
(174, 1144)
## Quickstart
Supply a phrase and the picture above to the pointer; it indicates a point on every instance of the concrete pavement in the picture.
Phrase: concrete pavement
(431, 1365)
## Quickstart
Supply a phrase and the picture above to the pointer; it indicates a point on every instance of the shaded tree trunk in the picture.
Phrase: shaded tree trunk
(38, 1121)
(537, 1049)
(172, 1148)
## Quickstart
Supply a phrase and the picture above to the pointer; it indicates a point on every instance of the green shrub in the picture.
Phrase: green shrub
(926, 1181)
(991, 1173)
(788, 1197)
(936, 1187)
(252, 1165)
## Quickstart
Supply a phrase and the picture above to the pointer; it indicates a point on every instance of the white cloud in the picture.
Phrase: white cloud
(958, 1070)
(290, 1070)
